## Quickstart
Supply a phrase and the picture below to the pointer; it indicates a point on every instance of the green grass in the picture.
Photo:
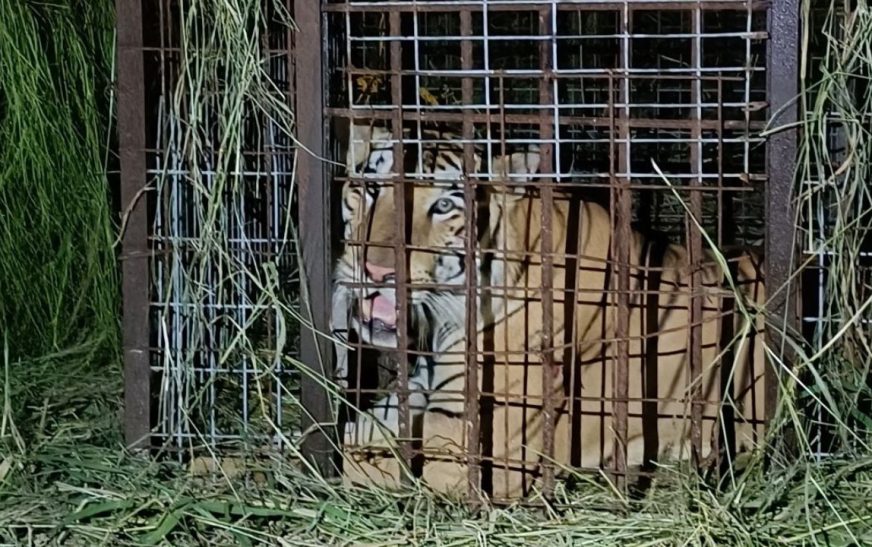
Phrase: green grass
(76, 488)
(58, 281)
(59, 286)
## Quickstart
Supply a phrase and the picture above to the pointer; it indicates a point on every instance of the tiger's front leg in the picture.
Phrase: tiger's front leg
(383, 420)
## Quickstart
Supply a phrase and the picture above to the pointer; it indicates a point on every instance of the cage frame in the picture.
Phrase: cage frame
(782, 65)
(134, 256)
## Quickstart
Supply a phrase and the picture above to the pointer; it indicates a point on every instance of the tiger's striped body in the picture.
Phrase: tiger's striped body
(510, 320)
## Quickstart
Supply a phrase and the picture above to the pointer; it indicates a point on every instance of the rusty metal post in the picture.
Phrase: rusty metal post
(546, 132)
(694, 241)
(314, 218)
(783, 87)
(621, 257)
(472, 403)
(402, 206)
(134, 257)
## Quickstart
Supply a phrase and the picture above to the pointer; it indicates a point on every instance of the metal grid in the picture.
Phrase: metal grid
(218, 238)
(616, 96)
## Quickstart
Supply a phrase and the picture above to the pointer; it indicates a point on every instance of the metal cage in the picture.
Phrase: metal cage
(654, 110)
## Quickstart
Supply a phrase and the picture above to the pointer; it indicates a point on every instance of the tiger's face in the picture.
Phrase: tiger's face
(438, 220)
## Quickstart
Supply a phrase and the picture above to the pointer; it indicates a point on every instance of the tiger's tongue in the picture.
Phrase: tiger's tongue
(383, 309)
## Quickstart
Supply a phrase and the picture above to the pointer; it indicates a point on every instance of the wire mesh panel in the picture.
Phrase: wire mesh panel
(834, 224)
(530, 197)
(223, 271)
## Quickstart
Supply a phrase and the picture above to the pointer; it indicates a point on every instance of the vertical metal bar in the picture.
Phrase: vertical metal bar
(505, 297)
(718, 441)
(722, 196)
(401, 205)
(488, 346)
(694, 237)
(782, 88)
(623, 217)
(546, 134)
(314, 205)
(135, 282)
(473, 420)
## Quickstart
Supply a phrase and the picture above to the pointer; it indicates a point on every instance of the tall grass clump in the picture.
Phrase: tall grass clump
(225, 303)
(835, 227)
(58, 280)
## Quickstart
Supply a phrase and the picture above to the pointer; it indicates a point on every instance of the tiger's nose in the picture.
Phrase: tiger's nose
(379, 274)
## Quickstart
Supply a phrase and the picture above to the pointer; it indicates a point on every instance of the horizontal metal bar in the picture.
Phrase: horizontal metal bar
(751, 106)
(208, 173)
(502, 397)
(749, 35)
(425, 6)
(678, 73)
(581, 180)
(594, 121)
(632, 140)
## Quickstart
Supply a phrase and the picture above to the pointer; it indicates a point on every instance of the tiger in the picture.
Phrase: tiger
(509, 325)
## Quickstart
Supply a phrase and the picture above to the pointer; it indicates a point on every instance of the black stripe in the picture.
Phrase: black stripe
(461, 265)
(486, 408)
(447, 158)
(650, 424)
(573, 222)
(728, 315)
(758, 266)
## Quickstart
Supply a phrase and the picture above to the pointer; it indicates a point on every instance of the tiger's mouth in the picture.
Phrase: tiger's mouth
(379, 311)
(377, 319)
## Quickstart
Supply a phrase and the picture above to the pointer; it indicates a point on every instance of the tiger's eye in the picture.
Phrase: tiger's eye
(442, 206)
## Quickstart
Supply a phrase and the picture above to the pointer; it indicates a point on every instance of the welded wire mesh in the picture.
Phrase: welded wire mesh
(223, 267)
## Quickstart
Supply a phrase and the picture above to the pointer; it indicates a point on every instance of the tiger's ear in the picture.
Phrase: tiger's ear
(514, 169)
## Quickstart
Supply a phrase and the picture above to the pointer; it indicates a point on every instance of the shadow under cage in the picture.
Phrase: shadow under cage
(523, 233)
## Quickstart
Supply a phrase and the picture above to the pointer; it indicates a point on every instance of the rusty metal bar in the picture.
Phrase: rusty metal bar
(572, 5)
(473, 420)
(623, 217)
(546, 132)
(135, 282)
(783, 88)
(694, 239)
(592, 121)
(717, 441)
(708, 74)
(505, 303)
(721, 196)
(632, 186)
(314, 230)
(401, 237)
